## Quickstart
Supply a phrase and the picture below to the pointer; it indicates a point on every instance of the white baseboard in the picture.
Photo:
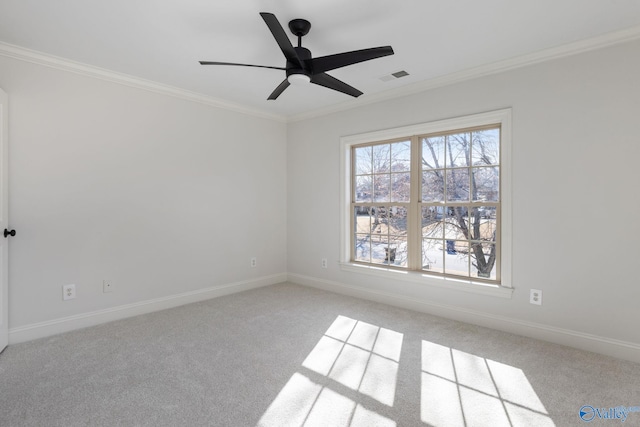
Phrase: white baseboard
(610, 347)
(65, 324)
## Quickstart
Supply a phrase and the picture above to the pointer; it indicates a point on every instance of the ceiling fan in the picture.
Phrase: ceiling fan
(301, 67)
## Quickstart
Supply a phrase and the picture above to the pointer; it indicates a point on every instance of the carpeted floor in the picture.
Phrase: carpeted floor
(289, 355)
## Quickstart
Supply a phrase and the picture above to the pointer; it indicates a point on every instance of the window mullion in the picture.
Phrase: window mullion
(414, 234)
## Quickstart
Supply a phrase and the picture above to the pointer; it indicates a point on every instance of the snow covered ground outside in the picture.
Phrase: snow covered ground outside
(434, 257)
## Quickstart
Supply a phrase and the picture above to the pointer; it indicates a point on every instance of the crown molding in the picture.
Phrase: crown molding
(35, 57)
(562, 51)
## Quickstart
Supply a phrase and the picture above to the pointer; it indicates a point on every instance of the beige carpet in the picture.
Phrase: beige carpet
(287, 355)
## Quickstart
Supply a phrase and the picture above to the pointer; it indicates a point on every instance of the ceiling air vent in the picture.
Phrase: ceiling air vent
(393, 76)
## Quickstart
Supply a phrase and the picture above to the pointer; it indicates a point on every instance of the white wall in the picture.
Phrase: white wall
(165, 196)
(576, 201)
(162, 196)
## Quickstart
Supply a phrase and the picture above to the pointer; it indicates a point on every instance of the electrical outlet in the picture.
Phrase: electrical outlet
(535, 297)
(68, 292)
(254, 262)
(324, 263)
(107, 286)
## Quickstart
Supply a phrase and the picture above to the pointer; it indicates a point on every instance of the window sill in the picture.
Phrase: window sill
(424, 279)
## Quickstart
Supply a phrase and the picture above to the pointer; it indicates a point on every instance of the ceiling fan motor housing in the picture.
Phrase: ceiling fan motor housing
(304, 54)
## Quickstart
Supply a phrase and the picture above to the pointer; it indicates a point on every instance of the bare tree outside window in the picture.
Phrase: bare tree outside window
(460, 209)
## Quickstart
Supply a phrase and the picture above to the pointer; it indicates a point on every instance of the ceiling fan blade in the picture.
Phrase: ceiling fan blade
(281, 87)
(326, 80)
(240, 65)
(331, 62)
(281, 38)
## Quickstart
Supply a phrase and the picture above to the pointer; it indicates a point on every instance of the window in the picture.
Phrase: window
(432, 199)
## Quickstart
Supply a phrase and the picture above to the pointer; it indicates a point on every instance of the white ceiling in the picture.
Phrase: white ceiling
(163, 40)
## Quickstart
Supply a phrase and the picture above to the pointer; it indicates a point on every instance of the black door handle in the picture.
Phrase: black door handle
(9, 233)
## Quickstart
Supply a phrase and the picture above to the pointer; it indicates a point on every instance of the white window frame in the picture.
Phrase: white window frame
(499, 117)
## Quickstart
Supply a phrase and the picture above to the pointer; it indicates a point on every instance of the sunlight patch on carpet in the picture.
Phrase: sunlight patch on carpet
(357, 355)
(350, 378)
(459, 388)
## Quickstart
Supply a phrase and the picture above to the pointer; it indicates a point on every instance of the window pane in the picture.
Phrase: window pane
(456, 223)
(379, 249)
(362, 237)
(487, 184)
(483, 223)
(483, 260)
(362, 219)
(400, 187)
(363, 158)
(457, 149)
(432, 255)
(381, 188)
(398, 251)
(397, 220)
(486, 147)
(379, 223)
(362, 248)
(397, 217)
(381, 158)
(456, 258)
(433, 186)
(457, 185)
(433, 222)
(401, 156)
(363, 188)
(433, 152)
